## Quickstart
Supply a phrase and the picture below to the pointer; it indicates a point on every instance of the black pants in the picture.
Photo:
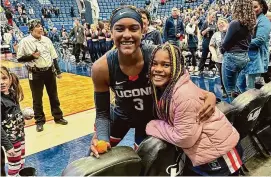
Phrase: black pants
(77, 50)
(109, 45)
(48, 79)
(193, 53)
(267, 75)
(96, 50)
(219, 65)
(102, 46)
(3, 172)
(205, 52)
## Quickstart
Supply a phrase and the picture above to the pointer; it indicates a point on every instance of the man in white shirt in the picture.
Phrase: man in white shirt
(40, 57)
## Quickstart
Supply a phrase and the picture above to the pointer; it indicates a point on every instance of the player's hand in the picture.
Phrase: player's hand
(93, 145)
(11, 152)
(208, 108)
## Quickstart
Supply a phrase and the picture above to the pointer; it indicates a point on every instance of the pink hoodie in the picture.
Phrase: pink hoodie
(202, 142)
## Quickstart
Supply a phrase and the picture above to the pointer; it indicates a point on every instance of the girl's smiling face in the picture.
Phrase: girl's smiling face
(161, 69)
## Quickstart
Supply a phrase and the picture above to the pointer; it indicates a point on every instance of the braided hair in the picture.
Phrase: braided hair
(177, 69)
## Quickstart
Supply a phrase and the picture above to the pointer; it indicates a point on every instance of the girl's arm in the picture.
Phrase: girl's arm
(185, 130)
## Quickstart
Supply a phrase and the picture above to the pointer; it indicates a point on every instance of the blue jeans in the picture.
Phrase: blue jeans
(232, 65)
(246, 81)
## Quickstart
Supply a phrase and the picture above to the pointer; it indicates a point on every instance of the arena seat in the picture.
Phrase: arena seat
(154, 157)
(160, 158)
(266, 111)
(229, 110)
(262, 130)
(248, 105)
(119, 161)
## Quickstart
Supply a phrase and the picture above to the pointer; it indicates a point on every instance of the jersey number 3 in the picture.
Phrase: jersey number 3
(138, 104)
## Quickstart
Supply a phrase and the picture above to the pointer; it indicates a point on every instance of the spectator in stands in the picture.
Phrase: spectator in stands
(235, 44)
(48, 13)
(31, 10)
(14, 4)
(151, 36)
(64, 35)
(78, 33)
(23, 6)
(40, 57)
(108, 36)
(102, 40)
(20, 10)
(54, 36)
(207, 31)
(42, 21)
(259, 46)
(52, 10)
(72, 11)
(173, 28)
(95, 42)
(158, 24)
(56, 10)
(43, 11)
(192, 41)
(25, 18)
(8, 14)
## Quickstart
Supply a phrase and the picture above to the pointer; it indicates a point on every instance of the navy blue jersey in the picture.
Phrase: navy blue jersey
(133, 98)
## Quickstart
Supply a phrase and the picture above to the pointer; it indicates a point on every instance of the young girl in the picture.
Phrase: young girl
(12, 121)
(210, 145)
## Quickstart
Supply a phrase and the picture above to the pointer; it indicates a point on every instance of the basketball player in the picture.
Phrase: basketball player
(124, 70)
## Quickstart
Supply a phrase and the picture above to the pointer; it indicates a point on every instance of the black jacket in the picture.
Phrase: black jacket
(170, 30)
(12, 121)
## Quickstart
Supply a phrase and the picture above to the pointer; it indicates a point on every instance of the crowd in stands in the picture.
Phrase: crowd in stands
(48, 11)
(196, 30)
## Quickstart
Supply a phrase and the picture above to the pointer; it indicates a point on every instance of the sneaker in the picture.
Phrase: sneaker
(192, 69)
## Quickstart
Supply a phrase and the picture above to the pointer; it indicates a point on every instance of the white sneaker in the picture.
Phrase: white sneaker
(192, 69)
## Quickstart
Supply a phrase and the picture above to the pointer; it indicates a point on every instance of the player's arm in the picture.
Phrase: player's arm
(100, 78)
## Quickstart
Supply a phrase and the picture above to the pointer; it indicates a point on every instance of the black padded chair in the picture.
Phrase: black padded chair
(229, 110)
(160, 158)
(249, 106)
(154, 157)
(119, 161)
(262, 130)
(265, 116)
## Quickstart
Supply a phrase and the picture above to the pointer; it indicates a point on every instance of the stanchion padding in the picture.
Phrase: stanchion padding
(119, 161)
